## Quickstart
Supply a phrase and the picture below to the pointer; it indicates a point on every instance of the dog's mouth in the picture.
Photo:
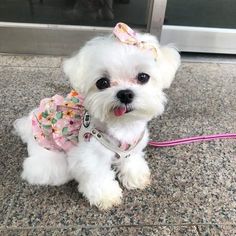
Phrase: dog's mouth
(122, 109)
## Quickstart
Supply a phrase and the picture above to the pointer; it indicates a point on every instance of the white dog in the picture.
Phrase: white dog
(121, 78)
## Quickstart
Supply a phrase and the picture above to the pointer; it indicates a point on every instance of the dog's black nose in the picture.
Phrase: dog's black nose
(125, 96)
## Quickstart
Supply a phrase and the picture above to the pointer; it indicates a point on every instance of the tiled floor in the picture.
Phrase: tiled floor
(193, 190)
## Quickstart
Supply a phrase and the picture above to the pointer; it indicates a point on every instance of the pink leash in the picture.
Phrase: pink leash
(191, 140)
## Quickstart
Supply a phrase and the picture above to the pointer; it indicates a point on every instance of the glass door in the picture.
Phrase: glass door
(59, 27)
(103, 13)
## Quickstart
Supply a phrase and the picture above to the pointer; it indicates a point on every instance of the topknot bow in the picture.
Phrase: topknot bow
(126, 35)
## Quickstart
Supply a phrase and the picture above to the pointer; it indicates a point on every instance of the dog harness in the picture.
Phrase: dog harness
(61, 123)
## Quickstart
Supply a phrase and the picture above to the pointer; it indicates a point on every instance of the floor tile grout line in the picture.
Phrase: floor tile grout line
(38, 67)
(11, 206)
(197, 230)
(195, 225)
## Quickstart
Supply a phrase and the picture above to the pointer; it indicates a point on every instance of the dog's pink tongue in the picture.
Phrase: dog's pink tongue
(119, 111)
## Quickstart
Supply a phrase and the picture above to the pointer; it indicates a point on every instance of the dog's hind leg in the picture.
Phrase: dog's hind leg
(45, 167)
(42, 167)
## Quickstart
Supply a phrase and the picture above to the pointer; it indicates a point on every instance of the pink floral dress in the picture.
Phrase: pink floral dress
(57, 121)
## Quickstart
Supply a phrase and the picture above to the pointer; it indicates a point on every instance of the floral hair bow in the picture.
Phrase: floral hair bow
(126, 35)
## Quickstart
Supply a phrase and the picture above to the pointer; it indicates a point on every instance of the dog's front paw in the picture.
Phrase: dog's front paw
(109, 197)
(104, 195)
(134, 173)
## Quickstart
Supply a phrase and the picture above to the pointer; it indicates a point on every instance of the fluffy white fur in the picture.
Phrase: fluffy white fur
(90, 163)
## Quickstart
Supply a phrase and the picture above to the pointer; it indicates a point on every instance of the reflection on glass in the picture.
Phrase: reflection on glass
(202, 13)
(75, 12)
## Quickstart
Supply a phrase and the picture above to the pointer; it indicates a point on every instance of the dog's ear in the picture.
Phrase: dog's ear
(168, 62)
(168, 59)
(75, 69)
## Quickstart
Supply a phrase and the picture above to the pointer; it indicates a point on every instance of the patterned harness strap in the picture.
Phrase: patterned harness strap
(89, 129)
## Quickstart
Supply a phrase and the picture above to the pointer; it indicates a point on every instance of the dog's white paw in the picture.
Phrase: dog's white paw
(134, 174)
(105, 195)
(135, 179)
(109, 198)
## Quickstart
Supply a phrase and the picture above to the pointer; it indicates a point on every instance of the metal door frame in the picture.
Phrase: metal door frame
(200, 39)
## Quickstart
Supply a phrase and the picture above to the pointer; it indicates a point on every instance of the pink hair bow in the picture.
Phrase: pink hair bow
(126, 35)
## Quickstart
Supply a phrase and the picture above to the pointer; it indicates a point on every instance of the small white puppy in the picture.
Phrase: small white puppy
(121, 78)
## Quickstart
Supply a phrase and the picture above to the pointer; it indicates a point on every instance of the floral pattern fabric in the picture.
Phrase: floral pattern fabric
(126, 35)
(57, 121)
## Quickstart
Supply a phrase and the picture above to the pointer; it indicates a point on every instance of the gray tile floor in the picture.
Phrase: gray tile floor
(193, 190)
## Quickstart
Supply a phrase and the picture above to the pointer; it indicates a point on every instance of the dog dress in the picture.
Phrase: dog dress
(57, 121)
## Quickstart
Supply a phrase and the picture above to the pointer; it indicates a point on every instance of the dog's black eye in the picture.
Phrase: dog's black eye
(143, 78)
(103, 83)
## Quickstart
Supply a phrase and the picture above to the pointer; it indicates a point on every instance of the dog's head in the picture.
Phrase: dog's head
(122, 81)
